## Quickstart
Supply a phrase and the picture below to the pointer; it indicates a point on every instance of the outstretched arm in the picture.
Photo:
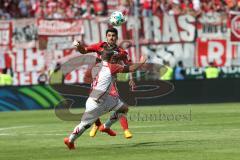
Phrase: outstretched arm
(79, 47)
(127, 61)
(91, 48)
(116, 68)
(134, 67)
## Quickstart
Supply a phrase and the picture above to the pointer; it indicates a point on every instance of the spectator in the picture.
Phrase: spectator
(25, 7)
(82, 7)
(175, 8)
(147, 6)
(212, 71)
(42, 79)
(196, 5)
(89, 11)
(100, 7)
(5, 77)
(9, 9)
(39, 9)
(73, 9)
(126, 7)
(157, 7)
(161, 6)
(4, 15)
(57, 77)
(179, 72)
(232, 4)
(186, 7)
(55, 11)
(168, 75)
(88, 8)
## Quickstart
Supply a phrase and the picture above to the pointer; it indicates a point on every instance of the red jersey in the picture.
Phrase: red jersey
(99, 47)
(122, 57)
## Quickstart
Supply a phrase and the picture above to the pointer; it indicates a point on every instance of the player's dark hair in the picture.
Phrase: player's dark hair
(114, 30)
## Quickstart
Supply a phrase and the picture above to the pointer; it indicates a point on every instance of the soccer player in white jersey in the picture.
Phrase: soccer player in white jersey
(102, 98)
(121, 57)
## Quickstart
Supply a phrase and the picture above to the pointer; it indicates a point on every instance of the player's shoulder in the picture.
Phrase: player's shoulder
(102, 43)
(120, 48)
(99, 44)
(122, 51)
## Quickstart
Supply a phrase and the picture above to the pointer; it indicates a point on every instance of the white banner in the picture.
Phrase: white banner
(2, 61)
(213, 26)
(5, 35)
(24, 33)
(60, 27)
(155, 30)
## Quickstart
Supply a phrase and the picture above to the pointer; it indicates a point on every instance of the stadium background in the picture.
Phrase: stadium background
(36, 35)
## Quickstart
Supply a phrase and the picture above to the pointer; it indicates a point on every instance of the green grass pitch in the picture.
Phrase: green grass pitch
(183, 132)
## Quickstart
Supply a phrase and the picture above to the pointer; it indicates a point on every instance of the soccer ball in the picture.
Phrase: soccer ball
(117, 18)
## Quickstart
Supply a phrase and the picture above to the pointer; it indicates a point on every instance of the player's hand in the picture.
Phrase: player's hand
(132, 84)
(76, 43)
(79, 46)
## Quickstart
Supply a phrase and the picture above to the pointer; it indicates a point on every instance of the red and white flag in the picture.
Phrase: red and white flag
(214, 50)
(235, 26)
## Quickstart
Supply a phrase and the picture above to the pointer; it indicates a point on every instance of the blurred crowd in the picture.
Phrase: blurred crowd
(60, 9)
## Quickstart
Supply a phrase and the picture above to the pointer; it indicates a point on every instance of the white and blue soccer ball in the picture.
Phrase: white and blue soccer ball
(117, 18)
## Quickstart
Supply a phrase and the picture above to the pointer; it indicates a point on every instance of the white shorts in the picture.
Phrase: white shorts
(96, 109)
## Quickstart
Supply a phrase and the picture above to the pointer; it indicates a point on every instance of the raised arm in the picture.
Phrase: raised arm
(79, 47)
(134, 67)
(117, 68)
(91, 48)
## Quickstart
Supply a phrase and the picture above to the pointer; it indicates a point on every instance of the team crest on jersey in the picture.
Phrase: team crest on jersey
(115, 52)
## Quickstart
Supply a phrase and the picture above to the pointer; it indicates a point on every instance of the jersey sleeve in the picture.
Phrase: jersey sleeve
(116, 68)
(94, 47)
(124, 56)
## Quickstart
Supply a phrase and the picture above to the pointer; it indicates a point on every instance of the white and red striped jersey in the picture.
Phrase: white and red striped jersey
(104, 79)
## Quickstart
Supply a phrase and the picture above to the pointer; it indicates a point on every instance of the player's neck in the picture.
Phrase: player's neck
(111, 45)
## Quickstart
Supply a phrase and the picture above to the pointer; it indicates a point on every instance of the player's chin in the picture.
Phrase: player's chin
(112, 42)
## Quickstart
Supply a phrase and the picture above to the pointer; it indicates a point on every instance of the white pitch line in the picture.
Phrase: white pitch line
(14, 127)
(119, 133)
(47, 134)
(65, 134)
(168, 132)
(33, 134)
(152, 126)
(6, 134)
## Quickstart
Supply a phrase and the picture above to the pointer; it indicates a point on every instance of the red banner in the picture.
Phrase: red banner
(217, 51)
(235, 26)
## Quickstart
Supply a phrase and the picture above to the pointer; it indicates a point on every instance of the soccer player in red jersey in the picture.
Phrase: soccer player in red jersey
(120, 56)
